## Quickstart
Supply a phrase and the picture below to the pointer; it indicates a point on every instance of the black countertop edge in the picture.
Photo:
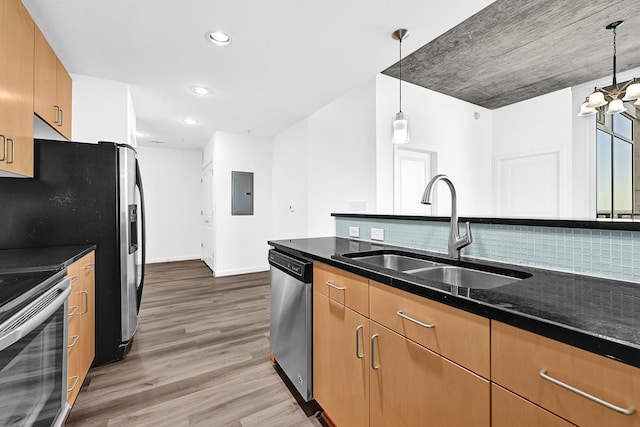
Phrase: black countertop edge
(25, 260)
(558, 223)
(610, 348)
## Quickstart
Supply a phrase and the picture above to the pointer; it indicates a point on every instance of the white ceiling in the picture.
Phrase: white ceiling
(287, 59)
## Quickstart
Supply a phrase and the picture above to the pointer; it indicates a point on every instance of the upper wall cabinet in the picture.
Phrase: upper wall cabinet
(16, 89)
(52, 87)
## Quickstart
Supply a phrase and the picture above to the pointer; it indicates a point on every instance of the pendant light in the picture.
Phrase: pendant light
(613, 96)
(400, 120)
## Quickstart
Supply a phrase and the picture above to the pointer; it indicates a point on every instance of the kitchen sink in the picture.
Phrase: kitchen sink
(465, 277)
(403, 263)
(440, 270)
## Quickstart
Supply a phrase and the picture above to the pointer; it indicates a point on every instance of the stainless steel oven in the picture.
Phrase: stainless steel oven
(33, 349)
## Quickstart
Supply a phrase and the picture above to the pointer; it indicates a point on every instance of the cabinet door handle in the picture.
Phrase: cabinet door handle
(88, 266)
(86, 301)
(75, 383)
(417, 322)
(13, 151)
(3, 153)
(61, 116)
(629, 411)
(75, 341)
(358, 355)
(334, 286)
(74, 310)
(74, 279)
(374, 337)
(57, 120)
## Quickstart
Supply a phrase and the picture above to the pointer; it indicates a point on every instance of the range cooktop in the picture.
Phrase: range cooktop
(17, 290)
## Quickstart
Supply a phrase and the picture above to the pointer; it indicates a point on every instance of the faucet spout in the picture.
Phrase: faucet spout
(456, 242)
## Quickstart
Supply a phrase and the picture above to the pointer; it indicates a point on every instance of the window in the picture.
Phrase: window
(615, 166)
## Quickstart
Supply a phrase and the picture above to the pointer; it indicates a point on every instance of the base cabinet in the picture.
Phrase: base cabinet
(341, 362)
(412, 386)
(81, 329)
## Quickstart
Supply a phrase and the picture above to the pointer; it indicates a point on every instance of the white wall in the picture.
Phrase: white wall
(171, 180)
(446, 126)
(290, 182)
(240, 241)
(102, 110)
(342, 159)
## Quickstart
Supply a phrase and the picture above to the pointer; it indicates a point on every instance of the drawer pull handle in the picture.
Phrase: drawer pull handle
(74, 310)
(630, 411)
(75, 341)
(417, 322)
(358, 355)
(334, 286)
(75, 383)
(74, 279)
(374, 337)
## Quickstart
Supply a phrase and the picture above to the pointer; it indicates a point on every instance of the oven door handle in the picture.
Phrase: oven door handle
(34, 315)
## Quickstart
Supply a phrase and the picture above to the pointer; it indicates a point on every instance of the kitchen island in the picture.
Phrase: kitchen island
(591, 322)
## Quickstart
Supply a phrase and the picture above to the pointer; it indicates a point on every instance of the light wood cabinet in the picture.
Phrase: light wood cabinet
(16, 89)
(81, 336)
(52, 87)
(413, 386)
(346, 288)
(341, 362)
(455, 334)
(520, 359)
(509, 410)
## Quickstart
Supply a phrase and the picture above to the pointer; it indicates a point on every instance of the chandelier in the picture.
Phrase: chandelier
(612, 96)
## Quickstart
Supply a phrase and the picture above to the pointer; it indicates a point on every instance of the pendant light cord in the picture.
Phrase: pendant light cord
(615, 82)
(400, 83)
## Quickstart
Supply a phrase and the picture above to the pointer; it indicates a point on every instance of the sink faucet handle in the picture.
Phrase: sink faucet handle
(468, 237)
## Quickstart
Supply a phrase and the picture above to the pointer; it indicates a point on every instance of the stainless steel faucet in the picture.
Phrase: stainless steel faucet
(455, 241)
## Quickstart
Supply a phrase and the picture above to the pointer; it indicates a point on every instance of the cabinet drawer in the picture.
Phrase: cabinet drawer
(343, 287)
(519, 357)
(455, 334)
(508, 410)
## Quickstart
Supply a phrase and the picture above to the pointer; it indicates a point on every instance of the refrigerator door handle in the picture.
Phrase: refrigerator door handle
(144, 237)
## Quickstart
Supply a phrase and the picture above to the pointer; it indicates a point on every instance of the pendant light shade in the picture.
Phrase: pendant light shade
(596, 99)
(586, 110)
(400, 120)
(633, 92)
(615, 106)
(400, 128)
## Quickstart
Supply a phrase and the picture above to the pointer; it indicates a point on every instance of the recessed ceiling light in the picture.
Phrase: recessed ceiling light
(200, 90)
(140, 134)
(189, 121)
(218, 38)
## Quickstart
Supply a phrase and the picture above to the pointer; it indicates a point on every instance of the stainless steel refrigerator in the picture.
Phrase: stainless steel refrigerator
(86, 194)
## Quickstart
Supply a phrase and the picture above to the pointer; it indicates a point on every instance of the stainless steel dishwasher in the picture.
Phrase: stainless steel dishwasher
(290, 322)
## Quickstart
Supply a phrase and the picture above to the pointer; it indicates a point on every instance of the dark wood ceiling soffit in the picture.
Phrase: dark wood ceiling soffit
(514, 50)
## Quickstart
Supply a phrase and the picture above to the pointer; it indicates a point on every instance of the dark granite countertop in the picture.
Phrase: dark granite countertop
(597, 315)
(597, 224)
(40, 259)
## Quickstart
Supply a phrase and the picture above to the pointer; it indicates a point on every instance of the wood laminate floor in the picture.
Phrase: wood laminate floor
(200, 358)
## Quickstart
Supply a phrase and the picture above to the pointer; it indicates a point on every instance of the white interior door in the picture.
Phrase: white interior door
(208, 217)
(412, 170)
(529, 185)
